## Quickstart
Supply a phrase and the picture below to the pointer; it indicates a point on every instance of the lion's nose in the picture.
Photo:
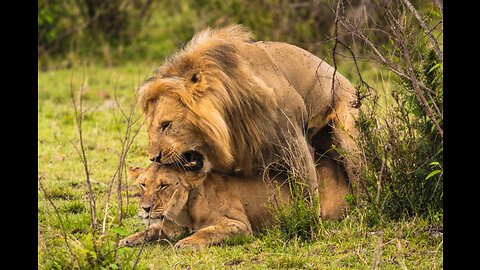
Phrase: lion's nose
(157, 158)
(147, 208)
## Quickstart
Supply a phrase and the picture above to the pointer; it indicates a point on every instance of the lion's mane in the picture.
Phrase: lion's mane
(237, 117)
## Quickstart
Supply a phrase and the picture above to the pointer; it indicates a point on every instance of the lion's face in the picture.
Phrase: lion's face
(164, 190)
(173, 138)
(183, 123)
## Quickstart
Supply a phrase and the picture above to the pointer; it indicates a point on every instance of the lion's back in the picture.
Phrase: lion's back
(309, 75)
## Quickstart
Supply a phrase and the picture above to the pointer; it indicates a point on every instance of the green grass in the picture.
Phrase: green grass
(348, 244)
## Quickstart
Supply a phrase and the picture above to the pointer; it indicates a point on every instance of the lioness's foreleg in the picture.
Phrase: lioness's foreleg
(162, 230)
(153, 233)
(214, 234)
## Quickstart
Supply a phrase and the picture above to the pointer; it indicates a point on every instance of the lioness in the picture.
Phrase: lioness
(215, 206)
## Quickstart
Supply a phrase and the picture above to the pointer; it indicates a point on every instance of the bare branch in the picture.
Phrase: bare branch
(358, 102)
(83, 157)
(426, 29)
(439, 6)
(381, 58)
(127, 142)
(334, 52)
(418, 93)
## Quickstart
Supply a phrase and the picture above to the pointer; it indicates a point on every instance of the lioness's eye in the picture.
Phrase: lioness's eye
(163, 186)
(142, 185)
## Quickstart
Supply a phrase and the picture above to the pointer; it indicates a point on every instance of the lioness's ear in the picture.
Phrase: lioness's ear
(134, 173)
(193, 179)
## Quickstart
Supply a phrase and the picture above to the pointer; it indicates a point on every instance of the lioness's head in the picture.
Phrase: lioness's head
(164, 190)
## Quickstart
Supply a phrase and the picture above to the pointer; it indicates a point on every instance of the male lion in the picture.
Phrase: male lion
(234, 105)
(215, 206)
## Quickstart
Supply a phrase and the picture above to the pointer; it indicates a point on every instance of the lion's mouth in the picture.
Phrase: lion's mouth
(192, 160)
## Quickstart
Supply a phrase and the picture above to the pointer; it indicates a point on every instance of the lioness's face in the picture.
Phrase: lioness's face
(164, 191)
(172, 136)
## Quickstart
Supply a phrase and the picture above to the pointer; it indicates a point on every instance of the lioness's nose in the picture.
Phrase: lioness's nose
(147, 208)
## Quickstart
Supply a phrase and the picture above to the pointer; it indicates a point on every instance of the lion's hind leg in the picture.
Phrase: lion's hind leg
(344, 137)
(334, 188)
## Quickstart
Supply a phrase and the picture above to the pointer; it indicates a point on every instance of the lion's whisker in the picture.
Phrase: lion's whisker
(179, 160)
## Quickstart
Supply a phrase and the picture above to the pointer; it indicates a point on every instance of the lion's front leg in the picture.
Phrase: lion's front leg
(214, 234)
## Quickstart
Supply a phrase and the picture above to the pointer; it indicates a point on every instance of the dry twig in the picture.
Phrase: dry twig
(78, 111)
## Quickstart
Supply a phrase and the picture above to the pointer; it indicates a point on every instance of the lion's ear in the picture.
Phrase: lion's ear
(198, 82)
(195, 77)
(134, 173)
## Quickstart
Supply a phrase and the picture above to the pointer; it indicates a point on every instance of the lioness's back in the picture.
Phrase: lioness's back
(256, 196)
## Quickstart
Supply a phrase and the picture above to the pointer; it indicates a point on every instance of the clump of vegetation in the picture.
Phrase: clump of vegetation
(403, 157)
(298, 219)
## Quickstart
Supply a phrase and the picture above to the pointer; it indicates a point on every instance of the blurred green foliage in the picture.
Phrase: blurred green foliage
(89, 28)
(112, 31)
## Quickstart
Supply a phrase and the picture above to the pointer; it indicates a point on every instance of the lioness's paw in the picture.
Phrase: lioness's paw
(191, 243)
(129, 241)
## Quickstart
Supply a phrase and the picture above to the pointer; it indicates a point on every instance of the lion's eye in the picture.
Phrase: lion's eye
(165, 125)
(194, 78)
(163, 186)
(142, 185)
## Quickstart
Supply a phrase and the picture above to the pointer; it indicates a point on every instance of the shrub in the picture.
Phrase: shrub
(401, 129)
(403, 151)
